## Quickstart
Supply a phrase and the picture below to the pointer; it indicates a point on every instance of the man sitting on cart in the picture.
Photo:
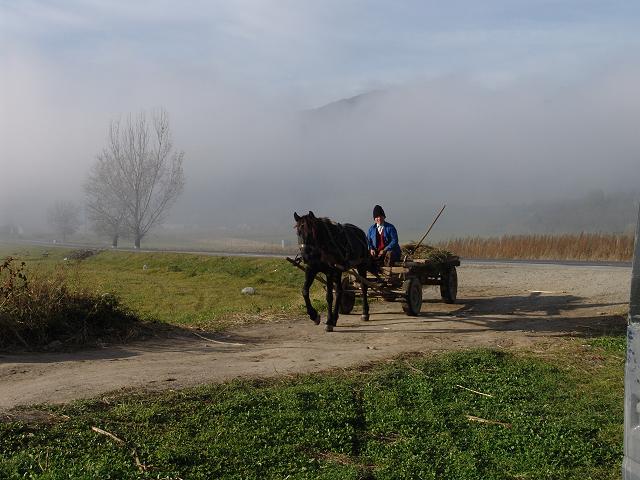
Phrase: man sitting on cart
(383, 237)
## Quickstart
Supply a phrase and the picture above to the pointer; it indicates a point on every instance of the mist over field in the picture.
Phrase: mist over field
(518, 121)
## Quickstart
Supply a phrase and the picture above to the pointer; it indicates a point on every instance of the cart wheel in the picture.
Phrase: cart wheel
(412, 302)
(449, 286)
(348, 297)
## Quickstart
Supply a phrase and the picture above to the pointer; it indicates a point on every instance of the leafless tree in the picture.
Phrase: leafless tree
(105, 209)
(64, 217)
(137, 176)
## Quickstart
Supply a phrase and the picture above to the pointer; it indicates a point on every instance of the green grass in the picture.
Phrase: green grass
(407, 419)
(610, 343)
(183, 289)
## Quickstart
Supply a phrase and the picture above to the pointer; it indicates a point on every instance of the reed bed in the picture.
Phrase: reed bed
(580, 246)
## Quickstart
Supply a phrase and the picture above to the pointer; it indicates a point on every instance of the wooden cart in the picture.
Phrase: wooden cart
(401, 282)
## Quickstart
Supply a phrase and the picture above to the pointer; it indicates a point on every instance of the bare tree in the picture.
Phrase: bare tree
(106, 210)
(137, 176)
(64, 217)
(105, 206)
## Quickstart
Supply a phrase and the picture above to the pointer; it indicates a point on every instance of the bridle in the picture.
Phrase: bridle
(307, 233)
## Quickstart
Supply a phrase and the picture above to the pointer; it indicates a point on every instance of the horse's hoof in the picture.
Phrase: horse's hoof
(316, 319)
(364, 318)
(328, 328)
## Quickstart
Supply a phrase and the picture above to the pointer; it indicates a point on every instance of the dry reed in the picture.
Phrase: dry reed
(580, 246)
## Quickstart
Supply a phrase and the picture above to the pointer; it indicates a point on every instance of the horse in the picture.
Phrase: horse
(331, 248)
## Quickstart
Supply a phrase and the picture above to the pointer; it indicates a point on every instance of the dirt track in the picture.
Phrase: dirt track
(499, 305)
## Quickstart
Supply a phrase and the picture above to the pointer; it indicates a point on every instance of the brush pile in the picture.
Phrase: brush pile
(83, 254)
(426, 252)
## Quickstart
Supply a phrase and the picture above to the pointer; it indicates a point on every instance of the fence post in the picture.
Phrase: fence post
(631, 462)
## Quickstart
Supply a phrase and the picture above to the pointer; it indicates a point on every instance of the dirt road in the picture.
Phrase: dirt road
(499, 305)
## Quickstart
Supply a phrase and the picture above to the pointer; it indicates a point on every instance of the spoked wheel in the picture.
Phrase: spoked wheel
(449, 286)
(412, 302)
(348, 299)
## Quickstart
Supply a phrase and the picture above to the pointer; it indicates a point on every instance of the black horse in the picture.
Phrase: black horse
(331, 248)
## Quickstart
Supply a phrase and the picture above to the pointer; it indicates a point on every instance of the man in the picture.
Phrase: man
(383, 237)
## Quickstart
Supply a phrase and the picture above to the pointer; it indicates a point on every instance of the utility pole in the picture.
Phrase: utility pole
(631, 462)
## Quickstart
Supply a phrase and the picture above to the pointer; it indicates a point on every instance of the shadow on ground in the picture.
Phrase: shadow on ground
(166, 338)
(555, 315)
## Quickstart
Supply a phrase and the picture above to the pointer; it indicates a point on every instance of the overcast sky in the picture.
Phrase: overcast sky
(305, 53)
(513, 97)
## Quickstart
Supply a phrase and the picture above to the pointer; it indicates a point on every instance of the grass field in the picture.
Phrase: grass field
(181, 289)
(412, 418)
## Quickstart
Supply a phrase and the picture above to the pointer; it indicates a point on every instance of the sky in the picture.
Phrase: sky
(510, 100)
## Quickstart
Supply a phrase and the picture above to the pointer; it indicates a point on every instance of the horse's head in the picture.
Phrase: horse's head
(306, 229)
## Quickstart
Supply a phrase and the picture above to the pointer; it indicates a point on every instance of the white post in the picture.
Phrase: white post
(631, 462)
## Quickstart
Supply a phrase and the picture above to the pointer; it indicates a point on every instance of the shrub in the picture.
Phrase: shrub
(37, 311)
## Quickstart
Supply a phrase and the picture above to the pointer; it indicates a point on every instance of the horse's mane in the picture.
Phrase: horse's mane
(333, 227)
(328, 220)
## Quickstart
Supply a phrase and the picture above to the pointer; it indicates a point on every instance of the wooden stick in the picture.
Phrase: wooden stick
(474, 391)
(141, 466)
(417, 370)
(217, 341)
(484, 420)
(425, 235)
(368, 283)
(110, 435)
(297, 264)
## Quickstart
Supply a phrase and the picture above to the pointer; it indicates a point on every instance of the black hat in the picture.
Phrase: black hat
(378, 211)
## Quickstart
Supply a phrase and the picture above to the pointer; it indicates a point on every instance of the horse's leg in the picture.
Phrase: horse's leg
(336, 309)
(309, 277)
(330, 319)
(362, 271)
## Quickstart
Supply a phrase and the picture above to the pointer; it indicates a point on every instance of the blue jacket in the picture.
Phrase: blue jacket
(390, 239)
